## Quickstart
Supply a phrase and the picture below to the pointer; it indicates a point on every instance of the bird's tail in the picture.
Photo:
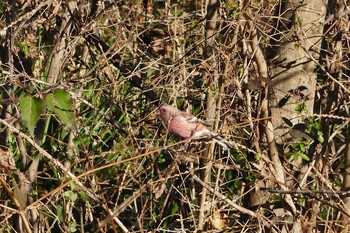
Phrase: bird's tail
(222, 142)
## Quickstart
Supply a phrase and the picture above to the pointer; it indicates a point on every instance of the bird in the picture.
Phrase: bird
(187, 125)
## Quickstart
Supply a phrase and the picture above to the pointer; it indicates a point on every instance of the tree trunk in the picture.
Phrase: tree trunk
(293, 73)
(212, 95)
(293, 76)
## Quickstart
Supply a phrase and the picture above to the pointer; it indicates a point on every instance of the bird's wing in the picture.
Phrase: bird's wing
(189, 118)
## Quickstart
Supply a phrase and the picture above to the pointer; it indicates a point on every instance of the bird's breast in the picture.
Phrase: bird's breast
(187, 130)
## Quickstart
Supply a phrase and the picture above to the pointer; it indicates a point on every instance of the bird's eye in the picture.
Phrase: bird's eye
(163, 110)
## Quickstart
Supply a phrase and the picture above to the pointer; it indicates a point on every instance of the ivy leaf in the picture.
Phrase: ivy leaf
(31, 109)
(61, 104)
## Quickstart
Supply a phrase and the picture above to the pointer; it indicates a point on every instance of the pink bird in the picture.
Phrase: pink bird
(186, 125)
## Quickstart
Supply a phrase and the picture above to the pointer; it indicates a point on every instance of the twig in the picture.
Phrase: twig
(26, 16)
(19, 211)
(324, 192)
(227, 200)
(59, 165)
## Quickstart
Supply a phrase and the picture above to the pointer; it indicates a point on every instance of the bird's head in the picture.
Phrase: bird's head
(165, 112)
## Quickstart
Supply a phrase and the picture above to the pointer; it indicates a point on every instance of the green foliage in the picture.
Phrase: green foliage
(175, 208)
(84, 196)
(31, 108)
(238, 184)
(61, 104)
(299, 150)
(324, 212)
(256, 4)
(315, 129)
(197, 110)
(301, 199)
(277, 198)
(252, 178)
(300, 108)
(60, 213)
(25, 47)
(73, 227)
(70, 195)
(161, 159)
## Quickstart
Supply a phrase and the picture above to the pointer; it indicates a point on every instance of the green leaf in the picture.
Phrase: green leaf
(175, 208)
(60, 213)
(320, 138)
(318, 126)
(31, 109)
(84, 196)
(234, 5)
(73, 227)
(22, 43)
(25, 47)
(289, 154)
(161, 159)
(295, 156)
(70, 195)
(73, 186)
(237, 184)
(276, 197)
(83, 140)
(324, 211)
(304, 156)
(61, 104)
(299, 108)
